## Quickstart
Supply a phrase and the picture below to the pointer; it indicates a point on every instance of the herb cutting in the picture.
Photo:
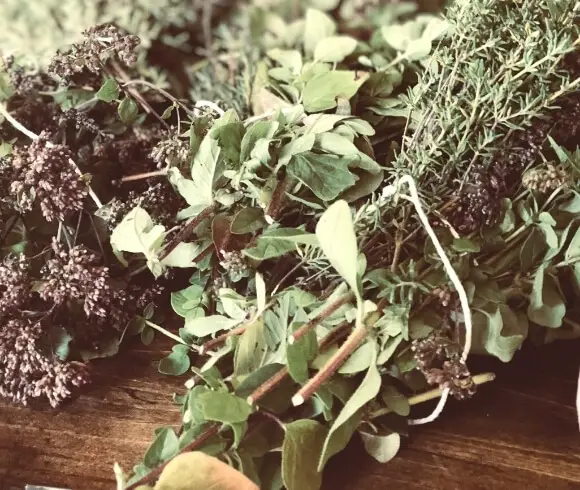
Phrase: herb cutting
(326, 206)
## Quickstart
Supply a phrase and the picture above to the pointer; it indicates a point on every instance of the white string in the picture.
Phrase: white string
(389, 191)
(578, 401)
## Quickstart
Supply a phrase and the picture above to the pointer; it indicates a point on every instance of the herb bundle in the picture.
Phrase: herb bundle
(310, 296)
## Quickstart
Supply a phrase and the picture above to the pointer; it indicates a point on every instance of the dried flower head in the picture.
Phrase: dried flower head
(26, 372)
(547, 178)
(101, 42)
(75, 275)
(14, 284)
(171, 152)
(159, 200)
(46, 173)
(235, 265)
(438, 357)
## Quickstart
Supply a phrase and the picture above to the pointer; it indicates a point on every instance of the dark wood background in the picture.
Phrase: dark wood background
(519, 432)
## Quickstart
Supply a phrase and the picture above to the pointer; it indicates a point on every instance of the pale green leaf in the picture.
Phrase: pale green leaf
(127, 110)
(137, 233)
(337, 144)
(359, 360)
(303, 442)
(278, 241)
(325, 175)
(498, 331)
(547, 306)
(109, 91)
(259, 130)
(335, 232)
(299, 145)
(322, 91)
(396, 401)
(366, 391)
(289, 59)
(318, 26)
(165, 445)
(382, 448)
(224, 407)
(182, 255)
(334, 49)
(250, 350)
(208, 325)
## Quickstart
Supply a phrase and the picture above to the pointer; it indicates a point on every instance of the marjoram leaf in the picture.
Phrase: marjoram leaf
(301, 449)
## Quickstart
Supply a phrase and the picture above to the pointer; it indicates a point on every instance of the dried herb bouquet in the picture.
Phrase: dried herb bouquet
(327, 205)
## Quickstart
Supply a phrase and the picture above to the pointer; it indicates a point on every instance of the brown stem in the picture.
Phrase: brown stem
(212, 344)
(335, 362)
(277, 201)
(267, 386)
(334, 336)
(145, 175)
(192, 446)
(135, 93)
(329, 310)
(187, 230)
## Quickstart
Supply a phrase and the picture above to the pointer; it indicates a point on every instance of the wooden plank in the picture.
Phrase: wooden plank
(520, 432)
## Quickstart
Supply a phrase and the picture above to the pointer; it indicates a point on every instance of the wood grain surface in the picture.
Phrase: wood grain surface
(519, 432)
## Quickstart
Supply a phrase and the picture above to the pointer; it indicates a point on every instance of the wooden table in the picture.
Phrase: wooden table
(519, 432)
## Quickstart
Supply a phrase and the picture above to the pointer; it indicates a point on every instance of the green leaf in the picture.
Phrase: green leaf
(326, 175)
(299, 354)
(336, 144)
(195, 470)
(463, 245)
(396, 401)
(334, 49)
(248, 220)
(339, 438)
(187, 299)
(5, 148)
(279, 241)
(250, 350)
(229, 137)
(6, 88)
(289, 59)
(546, 307)
(109, 91)
(127, 110)
(182, 256)
(176, 363)
(208, 325)
(206, 169)
(367, 390)
(167, 112)
(302, 445)
(259, 130)
(322, 91)
(165, 446)
(573, 251)
(498, 331)
(256, 378)
(317, 27)
(138, 234)
(335, 232)
(359, 360)
(382, 448)
(299, 145)
(388, 349)
(224, 407)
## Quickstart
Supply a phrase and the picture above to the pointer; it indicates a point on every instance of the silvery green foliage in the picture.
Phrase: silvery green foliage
(35, 30)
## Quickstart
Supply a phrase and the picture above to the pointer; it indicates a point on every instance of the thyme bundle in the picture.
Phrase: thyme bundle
(314, 298)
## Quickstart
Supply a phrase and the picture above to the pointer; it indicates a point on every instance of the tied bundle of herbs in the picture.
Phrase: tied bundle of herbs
(354, 197)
